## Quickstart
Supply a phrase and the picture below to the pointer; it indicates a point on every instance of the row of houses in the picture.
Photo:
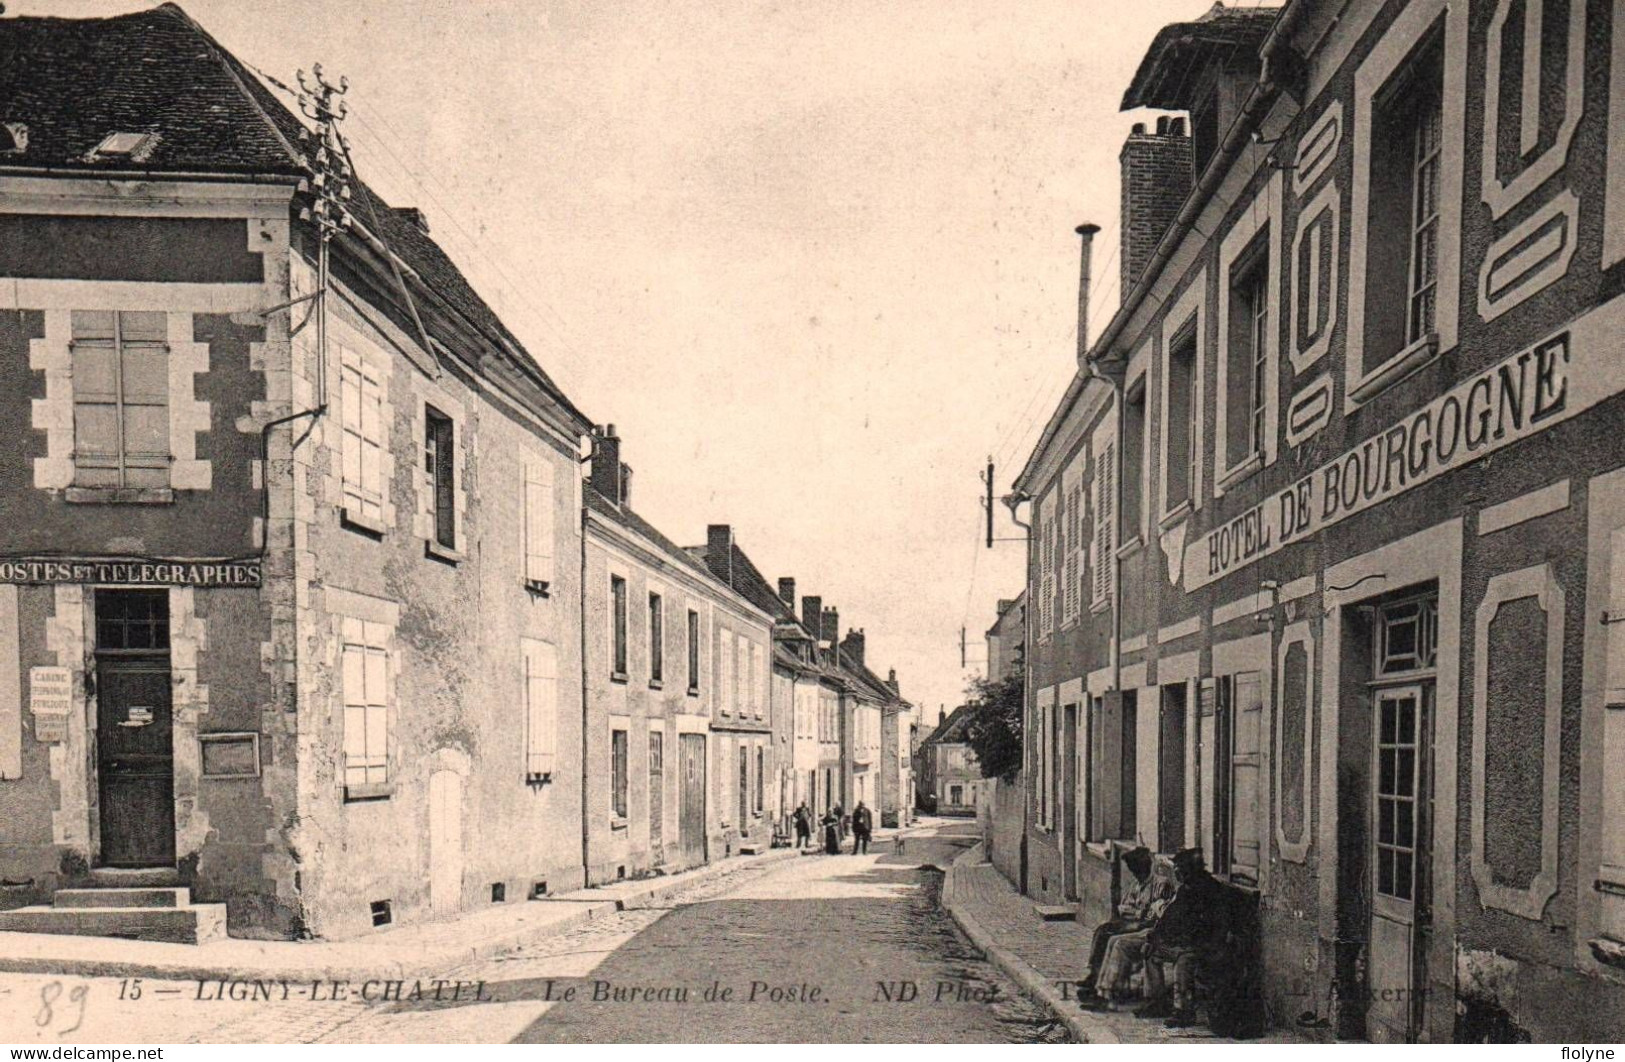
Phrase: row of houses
(1325, 535)
(306, 603)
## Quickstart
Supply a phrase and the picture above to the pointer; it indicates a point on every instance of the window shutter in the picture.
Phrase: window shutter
(541, 707)
(1104, 522)
(538, 521)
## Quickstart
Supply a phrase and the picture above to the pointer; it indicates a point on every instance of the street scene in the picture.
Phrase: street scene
(557, 523)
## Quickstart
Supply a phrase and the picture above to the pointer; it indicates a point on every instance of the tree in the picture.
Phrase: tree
(993, 730)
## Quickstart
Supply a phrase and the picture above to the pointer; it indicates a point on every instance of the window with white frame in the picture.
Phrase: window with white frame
(440, 463)
(364, 441)
(1247, 351)
(538, 519)
(365, 679)
(620, 780)
(539, 661)
(120, 399)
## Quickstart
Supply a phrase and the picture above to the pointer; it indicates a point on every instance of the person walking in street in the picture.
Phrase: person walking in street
(840, 821)
(803, 826)
(863, 825)
(832, 833)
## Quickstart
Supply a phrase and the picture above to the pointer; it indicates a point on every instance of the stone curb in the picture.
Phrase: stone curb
(427, 961)
(1030, 980)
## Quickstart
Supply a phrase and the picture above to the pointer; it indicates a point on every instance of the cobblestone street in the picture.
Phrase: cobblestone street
(807, 949)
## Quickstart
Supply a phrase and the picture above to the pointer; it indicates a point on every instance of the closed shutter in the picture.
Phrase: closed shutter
(1105, 487)
(538, 521)
(366, 706)
(1246, 716)
(541, 693)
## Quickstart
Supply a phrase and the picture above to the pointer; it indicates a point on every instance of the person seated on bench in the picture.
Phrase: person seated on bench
(1126, 951)
(1191, 931)
(1132, 916)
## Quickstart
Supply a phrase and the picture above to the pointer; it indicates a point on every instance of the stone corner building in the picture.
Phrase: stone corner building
(295, 621)
(1329, 530)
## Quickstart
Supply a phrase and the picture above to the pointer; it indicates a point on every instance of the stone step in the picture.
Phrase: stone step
(122, 897)
(194, 924)
(134, 877)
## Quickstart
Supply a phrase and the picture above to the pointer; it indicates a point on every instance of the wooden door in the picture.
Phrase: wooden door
(135, 761)
(657, 794)
(1401, 793)
(445, 843)
(691, 798)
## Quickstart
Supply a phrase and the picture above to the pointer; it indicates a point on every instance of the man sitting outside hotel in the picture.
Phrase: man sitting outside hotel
(1126, 951)
(1192, 930)
(1131, 916)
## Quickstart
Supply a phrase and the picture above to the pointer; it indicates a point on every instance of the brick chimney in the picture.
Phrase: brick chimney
(812, 615)
(852, 645)
(1157, 176)
(719, 551)
(787, 592)
(831, 631)
(891, 681)
(609, 475)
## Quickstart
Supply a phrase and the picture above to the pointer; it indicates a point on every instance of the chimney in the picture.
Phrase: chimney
(608, 474)
(891, 682)
(719, 551)
(832, 632)
(1157, 175)
(852, 646)
(787, 592)
(812, 616)
(1087, 232)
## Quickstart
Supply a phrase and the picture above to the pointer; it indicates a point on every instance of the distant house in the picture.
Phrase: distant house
(950, 778)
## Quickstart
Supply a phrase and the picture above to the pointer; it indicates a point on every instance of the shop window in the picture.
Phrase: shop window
(120, 399)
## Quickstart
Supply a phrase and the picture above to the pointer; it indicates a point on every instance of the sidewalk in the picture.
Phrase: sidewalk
(1047, 958)
(426, 950)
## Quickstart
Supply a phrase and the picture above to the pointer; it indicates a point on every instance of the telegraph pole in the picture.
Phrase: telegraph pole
(987, 500)
(329, 189)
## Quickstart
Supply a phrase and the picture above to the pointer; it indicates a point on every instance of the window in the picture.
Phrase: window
(657, 641)
(541, 699)
(1180, 439)
(728, 676)
(693, 651)
(1397, 786)
(618, 773)
(1046, 565)
(756, 674)
(132, 620)
(538, 524)
(439, 461)
(1131, 513)
(361, 400)
(1044, 765)
(741, 673)
(120, 399)
(1407, 636)
(366, 707)
(744, 784)
(617, 595)
(1112, 739)
(1105, 524)
(1247, 353)
(1402, 265)
(761, 778)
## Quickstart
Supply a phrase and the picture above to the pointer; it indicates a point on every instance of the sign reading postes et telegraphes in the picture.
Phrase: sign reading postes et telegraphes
(132, 573)
(1512, 400)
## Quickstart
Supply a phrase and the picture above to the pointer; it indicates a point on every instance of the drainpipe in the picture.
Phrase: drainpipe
(586, 729)
(1012, 501)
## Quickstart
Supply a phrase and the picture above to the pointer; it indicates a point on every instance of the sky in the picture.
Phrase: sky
(814, 260)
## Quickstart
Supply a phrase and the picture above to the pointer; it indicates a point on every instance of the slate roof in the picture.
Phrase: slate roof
(951, 731)
(624, 516)
(1182, 52)
(750, 583)
(74, 81)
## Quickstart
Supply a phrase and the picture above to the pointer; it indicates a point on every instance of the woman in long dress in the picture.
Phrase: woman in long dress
(832, 833)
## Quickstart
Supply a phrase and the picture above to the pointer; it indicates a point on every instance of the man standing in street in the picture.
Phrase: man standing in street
(863, 824)
(803, 826)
